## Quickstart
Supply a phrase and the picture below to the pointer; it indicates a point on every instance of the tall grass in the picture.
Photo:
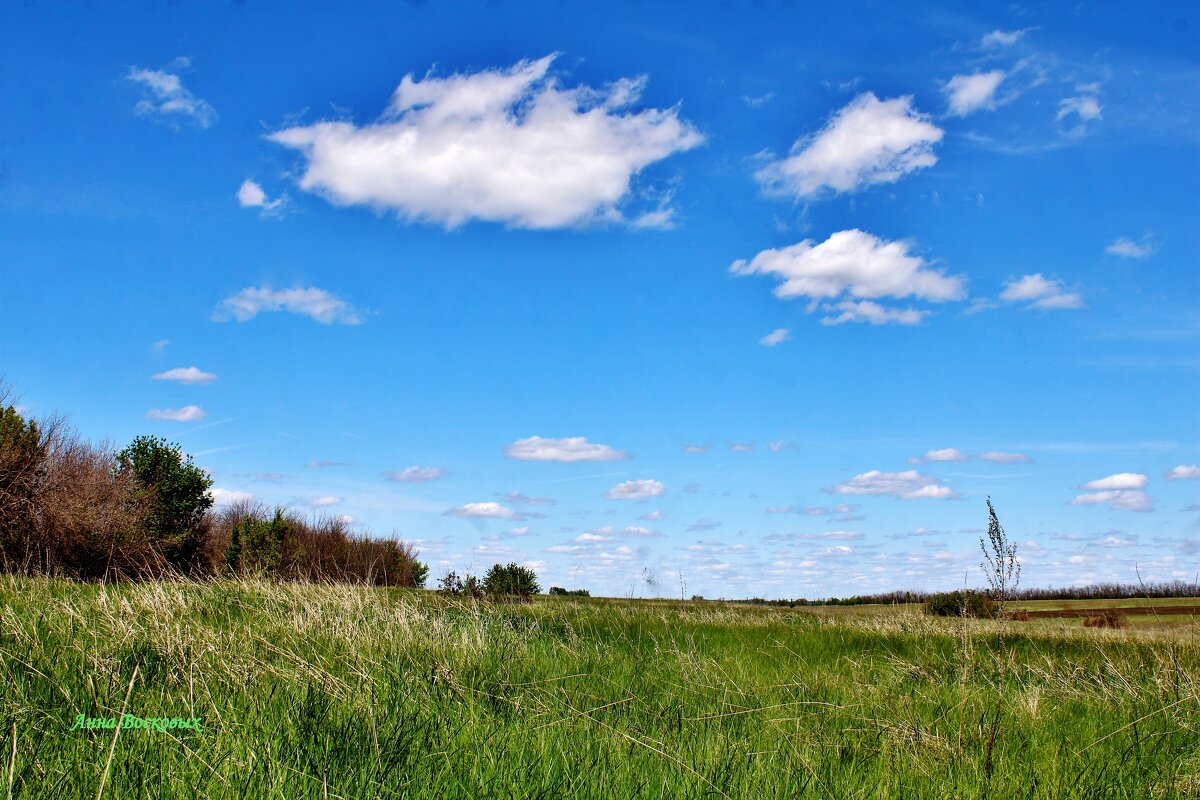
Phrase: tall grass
(351, 691)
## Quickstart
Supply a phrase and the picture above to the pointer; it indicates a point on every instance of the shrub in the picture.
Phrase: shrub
(174, 495)
(561, 592)
(510, 581)
(960, 603)
(1108, 618)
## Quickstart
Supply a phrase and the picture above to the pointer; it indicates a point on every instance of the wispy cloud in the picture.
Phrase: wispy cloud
(165, 99)
(185, 414)
(188, 375)
(311, 302)
(569, 449)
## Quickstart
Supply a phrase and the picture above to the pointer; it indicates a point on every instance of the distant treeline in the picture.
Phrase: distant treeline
(1098, 591)
(75, 509)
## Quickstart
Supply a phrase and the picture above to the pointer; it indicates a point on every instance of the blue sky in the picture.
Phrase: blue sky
(757, 299)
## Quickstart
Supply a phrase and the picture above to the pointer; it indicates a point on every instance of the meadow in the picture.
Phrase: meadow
(317, 690)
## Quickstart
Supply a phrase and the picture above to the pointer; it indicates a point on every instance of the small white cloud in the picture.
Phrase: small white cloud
(500, 145)
(415, 474)
(653, 516)
(185, 414)
(1121, 480)
(870, 141)
(165, 99)
(524, 499)
(324, 501)
(777, 336)
(1118, 499)
(487, 510)
(908, 485)
(315, 464)
(741, 447)
(946, 454)
(696, 448)
(1184, 472)
(228, 497)
(859, 268)
(189, 375)
(251, 195)
(515, 533)
(998, 457)
(1127, 248)
(1039, 291)
(312, 302)
(1000, 38)
(161, 345)
(1076, 113)
(569, 449)
(966, 94)
(636, 490)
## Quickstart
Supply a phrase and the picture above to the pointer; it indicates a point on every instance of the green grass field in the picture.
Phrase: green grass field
(339, 691)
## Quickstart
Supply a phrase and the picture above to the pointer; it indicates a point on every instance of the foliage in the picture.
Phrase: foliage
(174, 494)
(454, 584)
(560, 591)
(510, 581)
(960, 603)
(1000, 565)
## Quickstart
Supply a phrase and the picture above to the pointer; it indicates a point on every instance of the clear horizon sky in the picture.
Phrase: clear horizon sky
(756, 299)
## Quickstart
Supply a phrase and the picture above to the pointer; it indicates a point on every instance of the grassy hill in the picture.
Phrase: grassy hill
(344, 691)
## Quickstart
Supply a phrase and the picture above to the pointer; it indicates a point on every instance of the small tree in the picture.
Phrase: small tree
(174, 493)
(511, 580)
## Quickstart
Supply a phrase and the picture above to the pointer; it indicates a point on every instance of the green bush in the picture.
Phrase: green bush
(174, 494)
(961, 603)
(561, 592)
(512, 580)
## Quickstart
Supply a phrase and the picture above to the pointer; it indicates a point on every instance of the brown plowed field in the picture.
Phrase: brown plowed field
(1148, 611)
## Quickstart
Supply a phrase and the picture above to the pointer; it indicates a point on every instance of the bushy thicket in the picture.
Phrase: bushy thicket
(560, 591)
(512, 580)
(961, 603)
(73, 509)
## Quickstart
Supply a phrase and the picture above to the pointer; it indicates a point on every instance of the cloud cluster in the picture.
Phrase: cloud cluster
(165, 99)
(1122, 491)
(567, 450)
(869, 141)
(1183, 472)
(501, 145)
(486, 510)
(636, 490)
(907, 485)
(954, 454)
(1127, 248)
(854, 268)
(1038, 291)
(310, 302)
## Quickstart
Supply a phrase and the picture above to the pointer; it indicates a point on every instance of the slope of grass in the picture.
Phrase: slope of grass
(339, 691)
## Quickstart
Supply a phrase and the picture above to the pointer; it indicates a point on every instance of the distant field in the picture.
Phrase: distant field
(336, 691)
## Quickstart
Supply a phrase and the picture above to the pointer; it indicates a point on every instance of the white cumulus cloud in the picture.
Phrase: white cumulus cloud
(636, 490)
(251, 195)
(501, 145)
(486, 510)
(1121, 480)
(569, 449)
(1184, 472)
(228, 497)
(165, 99)
(1127, 248)
(945, 454)
(189, 375)
(1038, 291)
(185, 414)
(310, 302)
(415, 474)
(908, 485)
(966, 94)
(870, 141)
(858, 268)
(324, 501)
(1118, 499)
